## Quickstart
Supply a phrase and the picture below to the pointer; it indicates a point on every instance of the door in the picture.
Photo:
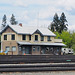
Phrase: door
(35, 50)
(23, 50)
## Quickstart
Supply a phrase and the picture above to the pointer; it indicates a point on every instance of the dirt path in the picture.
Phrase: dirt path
(41, 73)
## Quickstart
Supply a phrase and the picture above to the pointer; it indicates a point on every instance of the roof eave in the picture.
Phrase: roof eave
(37, 30)
(50, 35)
(46, 44)
(7, 27)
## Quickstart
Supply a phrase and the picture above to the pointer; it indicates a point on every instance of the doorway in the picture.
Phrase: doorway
(35, 50)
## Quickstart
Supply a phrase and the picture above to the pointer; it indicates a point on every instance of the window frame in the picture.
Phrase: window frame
(29, 37)
(34, 49)
(23, 37)
(48, 38)
(12, 37)
(5, 38)
(6, 48)
(12, 48)
(38, 48)
(42, 38)
(36, 37)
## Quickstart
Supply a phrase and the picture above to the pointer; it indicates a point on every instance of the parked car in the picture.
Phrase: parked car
(67, 51)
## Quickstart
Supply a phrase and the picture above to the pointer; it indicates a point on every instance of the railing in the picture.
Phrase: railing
(58, 40)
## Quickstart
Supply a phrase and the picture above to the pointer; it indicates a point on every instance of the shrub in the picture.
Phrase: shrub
(2, 53)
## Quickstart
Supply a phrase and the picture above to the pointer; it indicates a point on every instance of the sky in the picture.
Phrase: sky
(38, 12)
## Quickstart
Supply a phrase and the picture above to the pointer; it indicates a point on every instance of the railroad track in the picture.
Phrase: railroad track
(16, 59)
(37, 67)
(67, 63)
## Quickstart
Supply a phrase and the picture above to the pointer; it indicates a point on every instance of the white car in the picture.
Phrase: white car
(67, 51)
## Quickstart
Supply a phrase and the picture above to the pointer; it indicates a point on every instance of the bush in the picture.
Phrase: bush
(2, 53)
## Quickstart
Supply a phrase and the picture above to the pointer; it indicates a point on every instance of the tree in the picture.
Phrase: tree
(63, 25)
(67, 38)
(4, 21)
(73, 41)
(56, 21)
(57, 35)
(13, 20)
(52, 27)
(55, 24)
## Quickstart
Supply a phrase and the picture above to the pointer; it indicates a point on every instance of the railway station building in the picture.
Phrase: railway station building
(20, 40)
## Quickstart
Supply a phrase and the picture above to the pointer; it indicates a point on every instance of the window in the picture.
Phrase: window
(29, 37)
(23, 48)
(64, 49)
(33, 48)
(42, 38)
(13, 48)
(12, 37)
(5, 37)
(69, 50)
(19, 48)
(36, 37)
(7, 48)
(48, 38)
(38, 48)
(23, 37)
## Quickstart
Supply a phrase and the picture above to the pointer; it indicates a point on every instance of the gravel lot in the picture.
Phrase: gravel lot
(41, 73)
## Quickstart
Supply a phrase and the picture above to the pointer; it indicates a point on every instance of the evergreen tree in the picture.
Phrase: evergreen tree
(73, 41)
(63, 25)
(13, 20)
(56, 21)
(4, 21)
(55, 24)
(52, 27)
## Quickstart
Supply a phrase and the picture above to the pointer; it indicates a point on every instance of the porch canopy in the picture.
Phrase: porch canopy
(42, 44)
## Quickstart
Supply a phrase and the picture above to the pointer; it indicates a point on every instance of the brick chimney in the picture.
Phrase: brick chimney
(20, 24)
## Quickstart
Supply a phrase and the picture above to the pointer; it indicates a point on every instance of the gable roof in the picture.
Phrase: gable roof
(29, 30)
(37, 31)
(1, 28)
(42, 43)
